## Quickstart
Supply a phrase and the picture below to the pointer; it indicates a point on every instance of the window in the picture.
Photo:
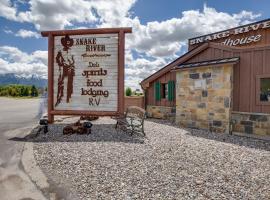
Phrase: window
(164, 91)
(263, 89)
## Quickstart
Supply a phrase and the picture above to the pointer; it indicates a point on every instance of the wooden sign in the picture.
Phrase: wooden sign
(86, 72)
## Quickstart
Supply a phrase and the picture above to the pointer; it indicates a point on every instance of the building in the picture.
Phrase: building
(221, 84)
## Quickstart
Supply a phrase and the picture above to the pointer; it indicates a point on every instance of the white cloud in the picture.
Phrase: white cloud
(8, 31)
(155, 42)
(7, 10)
(50, 14)
(13, 60)
(27, 34)
(23, 33)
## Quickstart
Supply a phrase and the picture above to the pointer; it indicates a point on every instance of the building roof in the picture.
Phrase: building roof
(208, 62)
(168, 67)
(182, 59)
(192, 53)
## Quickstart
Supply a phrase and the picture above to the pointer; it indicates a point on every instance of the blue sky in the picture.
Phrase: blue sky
(160, 28)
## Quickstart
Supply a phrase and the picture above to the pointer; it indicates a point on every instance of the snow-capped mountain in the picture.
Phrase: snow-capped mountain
(34, 79)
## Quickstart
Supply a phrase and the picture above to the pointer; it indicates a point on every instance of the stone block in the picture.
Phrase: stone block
(202, 114)
(238, 128)
(209, 82)
(248, 129)
(217, 85)
(236, 117)
(202, 105)
(194, 76)
(204, 125)
(226, 102)
(218, 129)
(247, 123)
(217, 123)
(220, 110)
(265, 125)
(260, 131)
(211, 114)
(217, 69)
(193, 117)
(259, 118)
(218, 99)
(220, 116)
(160, 112)
(204, 93)
(191, 124)
(206, 75)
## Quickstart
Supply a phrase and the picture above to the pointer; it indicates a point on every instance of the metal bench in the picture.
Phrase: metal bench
(133, 120)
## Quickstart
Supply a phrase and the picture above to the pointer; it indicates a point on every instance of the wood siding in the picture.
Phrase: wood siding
(253, 62)
(150, 95)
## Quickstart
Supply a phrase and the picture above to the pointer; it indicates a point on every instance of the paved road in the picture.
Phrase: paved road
(17, 117)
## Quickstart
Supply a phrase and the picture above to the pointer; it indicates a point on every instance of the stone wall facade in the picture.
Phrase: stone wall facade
(204, 97)
(161, 112)
(251, 123)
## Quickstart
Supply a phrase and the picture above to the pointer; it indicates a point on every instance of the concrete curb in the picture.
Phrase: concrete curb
(35, 174)
(31, 168)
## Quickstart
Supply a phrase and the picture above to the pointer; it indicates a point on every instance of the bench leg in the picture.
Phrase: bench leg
(132, 130)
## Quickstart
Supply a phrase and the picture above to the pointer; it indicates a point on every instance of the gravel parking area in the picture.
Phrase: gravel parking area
(171, 163)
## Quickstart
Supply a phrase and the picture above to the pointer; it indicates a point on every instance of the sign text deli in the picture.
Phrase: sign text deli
(86, 72)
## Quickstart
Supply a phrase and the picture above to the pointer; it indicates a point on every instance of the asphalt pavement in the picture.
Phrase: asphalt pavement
(17, 118)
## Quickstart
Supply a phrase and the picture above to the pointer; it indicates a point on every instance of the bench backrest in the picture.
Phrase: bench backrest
(135, 111)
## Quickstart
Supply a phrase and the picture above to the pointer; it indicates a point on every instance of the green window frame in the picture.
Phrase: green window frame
(157, 91)
(171, 86)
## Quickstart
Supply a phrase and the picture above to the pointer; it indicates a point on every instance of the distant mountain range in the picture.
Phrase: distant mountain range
(6, 79)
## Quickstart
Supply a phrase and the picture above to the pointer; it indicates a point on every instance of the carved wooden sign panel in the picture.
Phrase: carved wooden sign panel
(85, 72)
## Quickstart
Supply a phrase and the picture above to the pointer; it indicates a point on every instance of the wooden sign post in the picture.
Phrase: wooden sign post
(86, 72)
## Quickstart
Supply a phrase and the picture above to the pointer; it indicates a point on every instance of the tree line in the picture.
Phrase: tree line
(129, 92)
(19, 90)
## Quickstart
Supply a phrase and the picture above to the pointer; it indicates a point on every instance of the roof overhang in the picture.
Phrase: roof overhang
(217, 62)
(146, 82)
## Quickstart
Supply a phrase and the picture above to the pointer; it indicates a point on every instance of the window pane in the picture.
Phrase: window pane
(265, 89)
(166, 90)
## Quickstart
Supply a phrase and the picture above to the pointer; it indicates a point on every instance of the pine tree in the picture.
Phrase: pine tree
(128, 91)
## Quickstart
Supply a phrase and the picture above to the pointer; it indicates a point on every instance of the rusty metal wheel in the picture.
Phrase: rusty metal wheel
(67, 130)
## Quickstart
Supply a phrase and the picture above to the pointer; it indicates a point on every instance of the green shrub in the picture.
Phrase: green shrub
(128, 91)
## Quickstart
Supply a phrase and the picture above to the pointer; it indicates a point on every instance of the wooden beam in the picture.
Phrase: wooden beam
(50, 77)
(84, 112)
(86, 31)
(121, 71)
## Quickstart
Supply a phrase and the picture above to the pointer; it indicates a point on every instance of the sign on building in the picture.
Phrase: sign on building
(250, 34)
(86, 72)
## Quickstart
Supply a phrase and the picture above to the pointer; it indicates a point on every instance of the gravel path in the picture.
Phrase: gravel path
(171, 163)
